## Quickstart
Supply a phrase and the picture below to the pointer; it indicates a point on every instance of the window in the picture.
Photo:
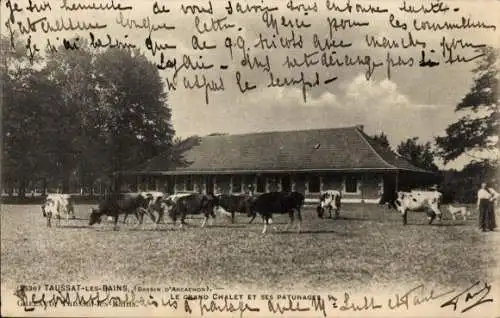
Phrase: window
(351, 184)
(261, 184)
(151, 183)
(189, 183)
(236, 184)
(314, 184)
(286, 184)
(180, 185)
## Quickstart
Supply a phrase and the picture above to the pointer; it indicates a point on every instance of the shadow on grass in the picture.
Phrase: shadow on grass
(345, 218)
(74, 227)
(229, 226)
(283, 232)
(437, 224)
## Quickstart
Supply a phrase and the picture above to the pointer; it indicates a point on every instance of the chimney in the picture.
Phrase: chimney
(360, 127)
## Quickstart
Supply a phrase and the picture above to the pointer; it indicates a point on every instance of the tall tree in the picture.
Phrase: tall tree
(476, 132)
(420, 155)
(381, 139)
(20, 117)
(138, 124)
(75, 126)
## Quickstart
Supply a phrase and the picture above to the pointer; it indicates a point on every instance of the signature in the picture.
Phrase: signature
(417, 295)
(473, 296)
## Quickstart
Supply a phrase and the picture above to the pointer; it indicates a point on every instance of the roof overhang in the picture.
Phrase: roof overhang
(218, 172)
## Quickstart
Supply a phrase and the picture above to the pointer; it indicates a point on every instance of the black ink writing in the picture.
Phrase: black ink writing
(465, 23)
(471, 298)
(158, 10)
(93, 6)
(434, 7)
(197, 9)
(153, 46)
(213, 25)
(145, 24)
(203, 46)
(366, 305)
(290, 81)
(419, 297)
(226, 307)
(38, 8)
(96, 42)
(246, 87)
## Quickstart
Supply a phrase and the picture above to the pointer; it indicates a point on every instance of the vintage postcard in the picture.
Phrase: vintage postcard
(250, 158)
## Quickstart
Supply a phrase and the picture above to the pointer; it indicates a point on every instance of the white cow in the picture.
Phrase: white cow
(57, 205)
(458, 210)
(417, 200)
(155, 204)
(329, 199)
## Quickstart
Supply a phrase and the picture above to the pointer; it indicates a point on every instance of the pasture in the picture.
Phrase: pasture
(367, 248)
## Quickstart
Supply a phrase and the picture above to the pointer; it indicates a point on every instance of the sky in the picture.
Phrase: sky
(414, 101)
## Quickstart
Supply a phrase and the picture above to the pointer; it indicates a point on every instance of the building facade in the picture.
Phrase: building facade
(307, 161)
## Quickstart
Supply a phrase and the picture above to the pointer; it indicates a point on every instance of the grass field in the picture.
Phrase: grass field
(367, 248)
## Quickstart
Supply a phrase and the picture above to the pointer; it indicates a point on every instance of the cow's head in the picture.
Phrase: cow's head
(95, 217)
(170, 205)
(49, 207)
(467, 212)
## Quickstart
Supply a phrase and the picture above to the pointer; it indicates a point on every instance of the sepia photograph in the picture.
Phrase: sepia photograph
(250, 158)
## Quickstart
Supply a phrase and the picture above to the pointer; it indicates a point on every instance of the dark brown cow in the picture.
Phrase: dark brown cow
(234, 204)
(271, 203)
(120, 203)
(190, 204)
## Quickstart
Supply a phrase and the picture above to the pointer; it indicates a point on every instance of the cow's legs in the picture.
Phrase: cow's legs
(432, 217)
(205, 218)
(253, 218)
(290, 221)
(115, 223)
(232, 217)
(265, 226)
(58, 224)
(299, 223)
(330, 211)
(125, 218)
(71, 210)
(405, 217)
(48, 220)
(212, 213)
(181, 226)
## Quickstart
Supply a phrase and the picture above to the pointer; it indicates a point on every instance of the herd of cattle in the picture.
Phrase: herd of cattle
(178, 206)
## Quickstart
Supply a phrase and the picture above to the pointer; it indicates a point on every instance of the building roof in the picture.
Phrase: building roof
(336, 149)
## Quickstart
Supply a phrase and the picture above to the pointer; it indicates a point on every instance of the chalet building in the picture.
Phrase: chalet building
(308, 161)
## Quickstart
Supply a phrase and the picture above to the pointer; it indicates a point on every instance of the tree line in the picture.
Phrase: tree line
(77, 116)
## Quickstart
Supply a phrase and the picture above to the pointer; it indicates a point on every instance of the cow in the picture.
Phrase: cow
(330, 200)
(179, 206)
(155, 204)
(415, 200)
(56, 205)
(234, 203)
(280, 203)
(120, 203)
(459, 210)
